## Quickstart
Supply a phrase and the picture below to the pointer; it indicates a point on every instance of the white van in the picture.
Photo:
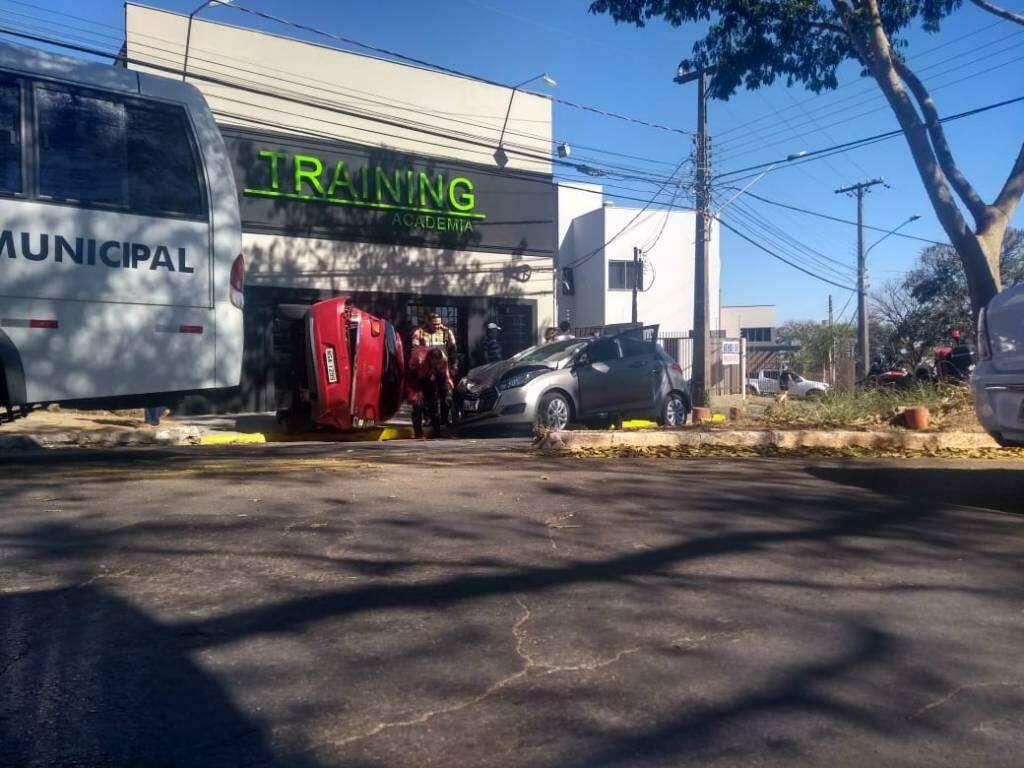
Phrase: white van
(121, 272)
(998, 378)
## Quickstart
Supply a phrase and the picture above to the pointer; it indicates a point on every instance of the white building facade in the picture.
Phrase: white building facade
(595, 263)
(370, 178)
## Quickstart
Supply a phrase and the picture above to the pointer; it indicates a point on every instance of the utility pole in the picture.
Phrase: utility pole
(701, 372)
(831, 344)
(701, 324)
(863, 348)
(637, 277)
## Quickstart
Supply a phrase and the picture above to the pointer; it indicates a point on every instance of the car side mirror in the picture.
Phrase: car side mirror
(582, 359)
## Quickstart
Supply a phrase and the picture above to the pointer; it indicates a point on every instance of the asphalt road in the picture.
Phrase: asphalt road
(471, 604)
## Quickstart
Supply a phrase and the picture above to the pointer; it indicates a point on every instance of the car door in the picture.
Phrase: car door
(599, 375)
(769, 382)
(639, 369)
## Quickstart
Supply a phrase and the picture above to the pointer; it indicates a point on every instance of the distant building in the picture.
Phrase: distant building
(753, 322)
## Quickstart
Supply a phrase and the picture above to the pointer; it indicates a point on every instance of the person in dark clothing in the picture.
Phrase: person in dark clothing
(490, 348)
(428, 386)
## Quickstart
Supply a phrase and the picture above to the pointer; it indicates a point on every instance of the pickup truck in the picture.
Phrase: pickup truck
(767, 383)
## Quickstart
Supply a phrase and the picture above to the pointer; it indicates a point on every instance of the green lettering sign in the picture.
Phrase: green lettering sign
(312, 175)
(419, 200)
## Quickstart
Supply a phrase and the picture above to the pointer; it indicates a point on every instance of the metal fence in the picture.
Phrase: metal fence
(725, 379)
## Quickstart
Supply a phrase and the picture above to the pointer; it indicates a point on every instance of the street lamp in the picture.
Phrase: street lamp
(500, 155)
(188, 33)
(893, 231)
(765, 172)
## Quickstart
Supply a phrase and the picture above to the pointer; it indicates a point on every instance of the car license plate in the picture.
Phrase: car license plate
(331, 366)
(471, 405)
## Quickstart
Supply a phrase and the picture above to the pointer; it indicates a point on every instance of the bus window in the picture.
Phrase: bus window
(82, 154)
(163, 176)
(10, 137)
(124, 154)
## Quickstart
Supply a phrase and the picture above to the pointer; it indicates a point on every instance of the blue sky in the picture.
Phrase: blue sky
(628, 70)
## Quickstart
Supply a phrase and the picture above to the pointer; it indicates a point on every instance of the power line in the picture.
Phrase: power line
(865, 141)
(824, 261)
(331, 87)
(448, 70)
(294, 100)
(838, 219)
(758, 142)
(289, 131)
(613, 238)
(782, 258)
(918, 55)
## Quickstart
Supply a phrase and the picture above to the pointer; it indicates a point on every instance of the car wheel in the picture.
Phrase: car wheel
(815, 394)
(674, 412)
(751, 390)
(553, 412)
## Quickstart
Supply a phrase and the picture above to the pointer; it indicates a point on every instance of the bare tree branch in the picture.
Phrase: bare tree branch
(956, 178)
(1012, 190)
(873, 46)
(1003, 13)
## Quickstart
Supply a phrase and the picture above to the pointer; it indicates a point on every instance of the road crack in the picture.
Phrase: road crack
(970, 686)
(530, 665)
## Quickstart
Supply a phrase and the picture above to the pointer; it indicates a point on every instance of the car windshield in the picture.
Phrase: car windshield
(546, 353)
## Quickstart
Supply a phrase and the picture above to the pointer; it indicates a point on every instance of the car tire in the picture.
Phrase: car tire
(674, 411)
(815, 394)
(751, 390)
(554, 413)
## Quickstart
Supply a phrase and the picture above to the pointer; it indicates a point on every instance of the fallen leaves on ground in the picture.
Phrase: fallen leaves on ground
(677, 452)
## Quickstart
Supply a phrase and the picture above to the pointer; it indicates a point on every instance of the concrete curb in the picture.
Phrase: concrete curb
(102, 438)
(784, 439)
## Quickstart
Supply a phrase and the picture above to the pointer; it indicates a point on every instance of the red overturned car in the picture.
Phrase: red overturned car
(345, 369)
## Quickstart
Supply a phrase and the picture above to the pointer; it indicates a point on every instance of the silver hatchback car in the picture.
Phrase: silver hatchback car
(575, 380)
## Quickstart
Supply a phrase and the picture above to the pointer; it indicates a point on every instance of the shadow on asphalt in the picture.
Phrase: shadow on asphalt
(1000, 490)
(91, 680)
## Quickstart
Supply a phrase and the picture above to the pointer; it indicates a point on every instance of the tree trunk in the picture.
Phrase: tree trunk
(980, 256)
(979, 250)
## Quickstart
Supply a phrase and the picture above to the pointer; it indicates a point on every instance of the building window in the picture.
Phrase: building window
(621, 275)
(568, 282)
(756, 334)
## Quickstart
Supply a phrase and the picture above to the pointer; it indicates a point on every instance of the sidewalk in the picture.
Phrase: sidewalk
(59, 428)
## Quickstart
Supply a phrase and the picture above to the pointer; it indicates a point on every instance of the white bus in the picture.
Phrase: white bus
(121, 271)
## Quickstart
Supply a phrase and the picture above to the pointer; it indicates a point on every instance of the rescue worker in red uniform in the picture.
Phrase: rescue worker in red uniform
(428, 385)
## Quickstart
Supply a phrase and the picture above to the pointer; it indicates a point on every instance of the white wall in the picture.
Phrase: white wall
(344, 81)
(668, 240)
(574, 202)
(747, 316)
(588, 307)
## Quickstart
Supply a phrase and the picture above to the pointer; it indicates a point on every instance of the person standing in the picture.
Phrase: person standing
(564, 331)
(489, 350)
(434, 333)
(428, 385)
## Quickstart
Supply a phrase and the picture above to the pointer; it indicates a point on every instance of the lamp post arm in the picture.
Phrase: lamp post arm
(890, 232)
(744, 189)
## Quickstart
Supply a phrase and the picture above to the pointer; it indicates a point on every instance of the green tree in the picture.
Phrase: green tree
(937, 284)
(754, 42)
(817, 342)
(931, 301)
